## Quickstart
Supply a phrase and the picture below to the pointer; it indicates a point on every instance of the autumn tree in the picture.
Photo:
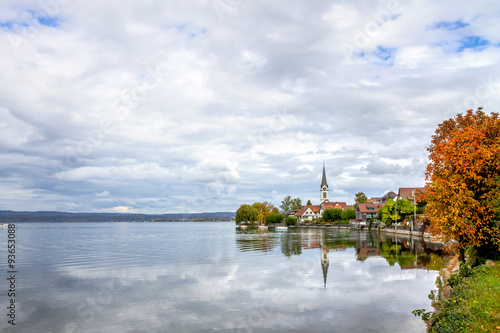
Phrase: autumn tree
(264, 209)
(463, 175)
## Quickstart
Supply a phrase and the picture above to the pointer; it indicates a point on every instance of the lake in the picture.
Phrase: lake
(214, 277)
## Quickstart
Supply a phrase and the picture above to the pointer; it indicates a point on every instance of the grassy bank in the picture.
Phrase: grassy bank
(473, 304)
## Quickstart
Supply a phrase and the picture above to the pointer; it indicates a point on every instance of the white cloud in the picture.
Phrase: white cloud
(121, 209)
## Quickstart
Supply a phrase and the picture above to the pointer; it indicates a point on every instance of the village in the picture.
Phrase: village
(403, 209)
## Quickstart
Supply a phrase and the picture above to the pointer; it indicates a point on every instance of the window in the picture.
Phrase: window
(324, 195)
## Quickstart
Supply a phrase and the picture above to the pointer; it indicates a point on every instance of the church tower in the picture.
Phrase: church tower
(323, 191)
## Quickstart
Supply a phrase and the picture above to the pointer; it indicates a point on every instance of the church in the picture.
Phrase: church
(311, 213)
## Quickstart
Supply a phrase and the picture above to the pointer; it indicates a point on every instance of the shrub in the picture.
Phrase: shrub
(275, 218)
(348, 214)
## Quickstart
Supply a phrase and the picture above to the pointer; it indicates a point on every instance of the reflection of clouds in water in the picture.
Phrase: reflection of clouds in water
(200, 290)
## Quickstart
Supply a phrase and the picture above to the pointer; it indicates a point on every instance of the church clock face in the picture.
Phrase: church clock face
(324, 188)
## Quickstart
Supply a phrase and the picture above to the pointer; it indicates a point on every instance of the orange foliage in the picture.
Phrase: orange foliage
(463, 180)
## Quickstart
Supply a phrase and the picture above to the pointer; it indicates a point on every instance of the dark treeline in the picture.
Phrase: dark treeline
(12, 216)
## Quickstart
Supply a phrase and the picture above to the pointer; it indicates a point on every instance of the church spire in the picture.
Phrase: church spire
(323, 181)
(323, 189)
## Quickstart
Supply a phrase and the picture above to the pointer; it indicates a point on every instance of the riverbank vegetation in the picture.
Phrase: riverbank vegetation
(472, 304)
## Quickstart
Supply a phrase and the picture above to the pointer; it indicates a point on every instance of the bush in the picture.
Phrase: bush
(348, 214)
(275, 218)
(290, 220)
(472, 305)
(332, 214)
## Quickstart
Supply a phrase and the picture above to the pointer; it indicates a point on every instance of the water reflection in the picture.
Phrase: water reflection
(205, 277)
(405, 251)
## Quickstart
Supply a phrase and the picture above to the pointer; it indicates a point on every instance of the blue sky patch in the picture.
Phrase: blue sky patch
(31, 18)
(451, 25)
(6, 24)
(49, 21)
(384, 54)
(189, 29)
(473, 42)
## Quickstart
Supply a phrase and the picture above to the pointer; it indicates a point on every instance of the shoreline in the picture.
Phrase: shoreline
(400, 232)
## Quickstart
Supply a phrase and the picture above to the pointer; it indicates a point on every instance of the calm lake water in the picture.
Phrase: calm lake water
(213, 277)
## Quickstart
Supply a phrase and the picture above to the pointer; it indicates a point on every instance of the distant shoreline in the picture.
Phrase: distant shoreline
(7, 216)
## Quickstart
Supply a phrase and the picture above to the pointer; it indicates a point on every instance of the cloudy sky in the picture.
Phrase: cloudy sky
(202, 105)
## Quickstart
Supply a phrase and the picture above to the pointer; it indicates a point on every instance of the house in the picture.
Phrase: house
(410, 193)
(366, 211)
(388, 195)
(308, 213)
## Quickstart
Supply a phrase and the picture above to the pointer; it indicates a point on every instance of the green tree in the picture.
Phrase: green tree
(327, 215)
(290, 220)
(405, 208)
(360, 197)
(309, 203)
(288, 204)
(275, 218)
(395, 210)
(246, 213)
(348, 214)
(332, 214)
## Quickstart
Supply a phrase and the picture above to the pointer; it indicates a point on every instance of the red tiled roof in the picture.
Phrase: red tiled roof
(336, 204)
(314, 208)
(365, 207)
(407, 192)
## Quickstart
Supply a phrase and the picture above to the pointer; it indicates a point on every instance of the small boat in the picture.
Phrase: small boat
(243, 227)
(281, 228)
(263, 227)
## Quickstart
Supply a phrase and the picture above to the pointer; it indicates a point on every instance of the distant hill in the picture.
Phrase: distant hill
(12, 216)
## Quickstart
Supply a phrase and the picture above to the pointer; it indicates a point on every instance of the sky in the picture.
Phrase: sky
(201, 106)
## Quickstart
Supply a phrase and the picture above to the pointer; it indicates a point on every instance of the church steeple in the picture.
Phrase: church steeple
(323, 190)
(323, 181)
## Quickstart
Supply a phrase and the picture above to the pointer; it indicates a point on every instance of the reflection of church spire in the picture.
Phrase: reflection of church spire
(325, 262)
